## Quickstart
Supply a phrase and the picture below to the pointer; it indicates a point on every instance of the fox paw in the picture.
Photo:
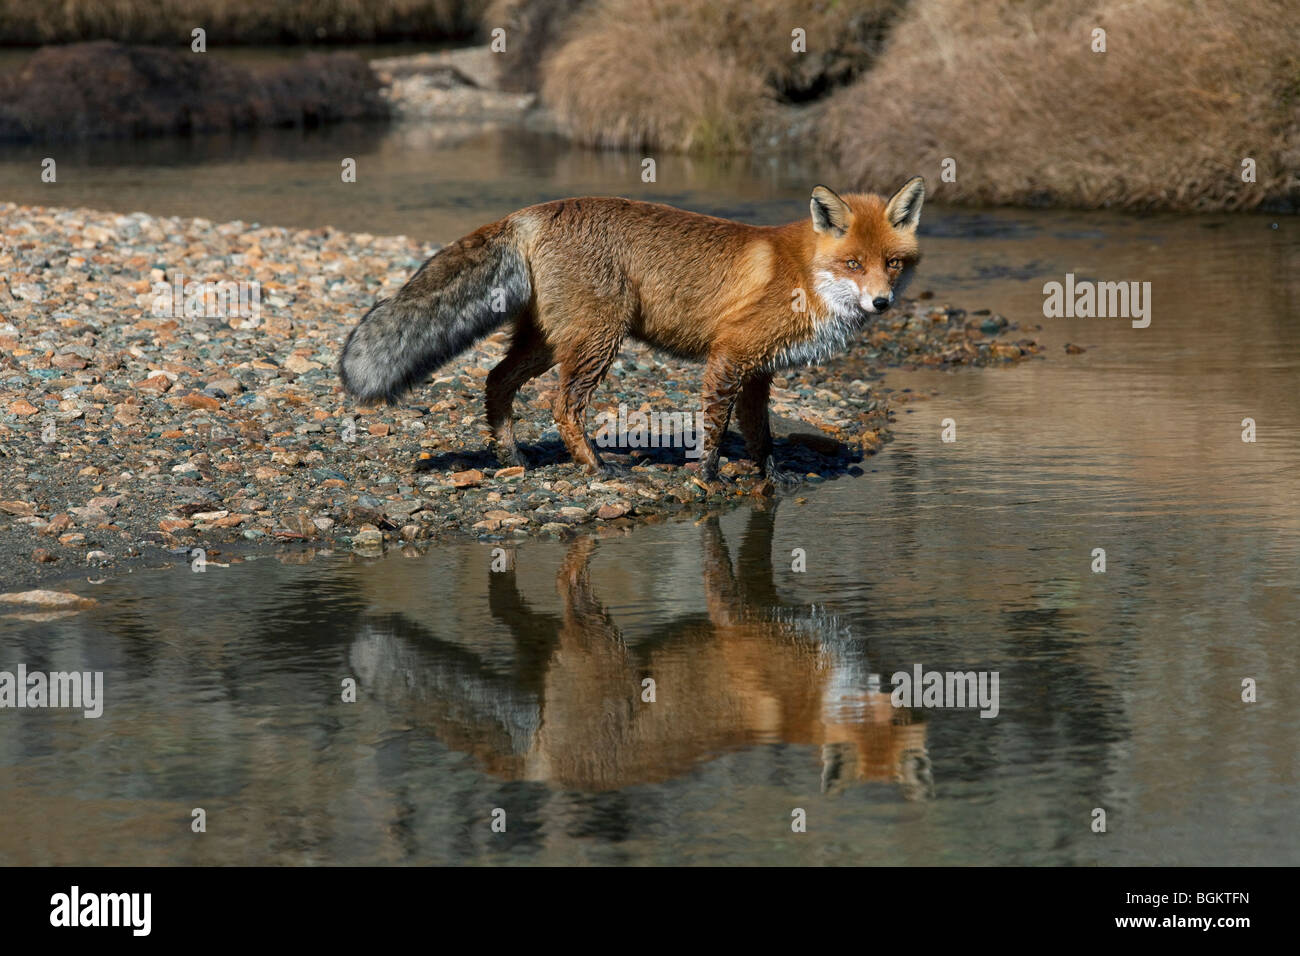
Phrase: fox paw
(714, 481)
(783, 479)
(511, 457)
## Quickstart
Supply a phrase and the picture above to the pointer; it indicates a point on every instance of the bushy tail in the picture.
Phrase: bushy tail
(459, 295)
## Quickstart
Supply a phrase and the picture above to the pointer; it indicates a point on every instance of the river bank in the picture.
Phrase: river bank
(126, 432)
(1174, 108)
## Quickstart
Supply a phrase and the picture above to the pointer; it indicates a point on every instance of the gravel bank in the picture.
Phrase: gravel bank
(126, 433)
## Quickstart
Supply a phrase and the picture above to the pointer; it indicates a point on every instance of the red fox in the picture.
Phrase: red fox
(578, 276)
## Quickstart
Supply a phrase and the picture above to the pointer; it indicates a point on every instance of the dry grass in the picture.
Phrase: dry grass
(692, 76)
(167, 22)
(91, 90)
(1013, 92)
(533, 28)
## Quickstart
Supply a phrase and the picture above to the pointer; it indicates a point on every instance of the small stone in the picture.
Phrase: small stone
(57, 525)
(89, 516)
(467, 479)
(199, 400)
(613, 510)
(68, 361)
(299, 364)
(154, 383)
(299, 524)
(43, 598)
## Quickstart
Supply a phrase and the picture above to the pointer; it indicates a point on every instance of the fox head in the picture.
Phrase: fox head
(879, 745)
(865, 248)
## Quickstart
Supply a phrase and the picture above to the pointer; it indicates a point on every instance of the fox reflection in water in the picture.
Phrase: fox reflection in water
(750, 671)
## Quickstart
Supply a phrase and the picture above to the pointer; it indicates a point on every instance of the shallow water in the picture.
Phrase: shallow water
(521, 689)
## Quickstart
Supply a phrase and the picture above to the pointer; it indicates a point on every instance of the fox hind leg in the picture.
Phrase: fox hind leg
(529, 355)
(581, 371)
(752, 418)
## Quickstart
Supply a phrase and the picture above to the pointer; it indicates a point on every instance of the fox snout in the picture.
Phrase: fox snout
(869, 306)
(872, 304)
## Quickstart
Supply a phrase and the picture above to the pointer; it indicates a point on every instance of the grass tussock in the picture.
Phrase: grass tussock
(1013, 92)
(691, 76)
(164, 22)
(533, 28)
(93, 90)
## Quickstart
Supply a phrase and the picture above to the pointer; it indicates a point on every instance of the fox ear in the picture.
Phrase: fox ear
(904, 208)
(830, 213)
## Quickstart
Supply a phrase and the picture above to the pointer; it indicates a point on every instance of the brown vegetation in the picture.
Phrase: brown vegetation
(533, 28)
(701, 76)
(90, 90)
(166, 22)
(1014, 93)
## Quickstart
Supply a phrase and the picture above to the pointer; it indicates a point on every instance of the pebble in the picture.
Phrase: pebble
(46, 598)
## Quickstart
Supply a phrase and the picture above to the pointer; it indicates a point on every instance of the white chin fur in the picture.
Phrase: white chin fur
(840, 296)
(834, 325)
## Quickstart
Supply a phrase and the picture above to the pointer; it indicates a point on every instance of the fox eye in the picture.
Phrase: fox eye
(894, 263)
(854, 264)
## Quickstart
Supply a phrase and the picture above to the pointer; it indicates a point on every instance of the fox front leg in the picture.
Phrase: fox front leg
(722, 383)
(752, 417)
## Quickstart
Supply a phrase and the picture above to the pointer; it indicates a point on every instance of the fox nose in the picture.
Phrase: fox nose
(881, 303)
